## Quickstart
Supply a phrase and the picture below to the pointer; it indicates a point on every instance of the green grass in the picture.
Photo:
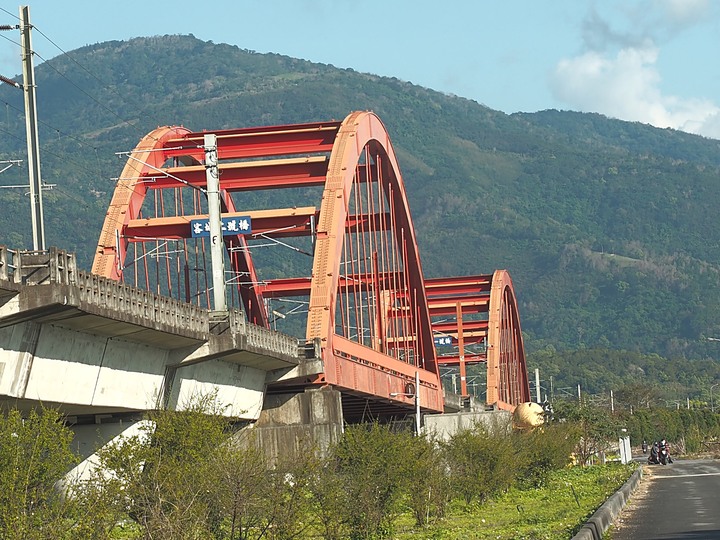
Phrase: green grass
(555, 511)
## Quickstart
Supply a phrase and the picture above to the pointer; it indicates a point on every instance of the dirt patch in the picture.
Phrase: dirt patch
(638, 500)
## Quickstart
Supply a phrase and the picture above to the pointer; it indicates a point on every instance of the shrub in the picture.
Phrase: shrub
(482, 462)
(544, 450)
(34, 455)
(370, 462)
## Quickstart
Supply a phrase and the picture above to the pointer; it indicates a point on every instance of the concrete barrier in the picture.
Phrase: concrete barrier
(604, 516)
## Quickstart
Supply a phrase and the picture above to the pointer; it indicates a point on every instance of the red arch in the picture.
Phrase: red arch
(478, 317)
(361, 130)
(507, 380)
(362, 215)
(147, 157)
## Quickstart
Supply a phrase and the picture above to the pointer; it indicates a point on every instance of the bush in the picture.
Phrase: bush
(34, 455)
(482, 462)
(371, 464)
(543, 451)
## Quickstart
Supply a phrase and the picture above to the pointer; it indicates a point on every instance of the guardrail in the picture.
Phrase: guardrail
(111, 295)
(37, 267)
(56, 266)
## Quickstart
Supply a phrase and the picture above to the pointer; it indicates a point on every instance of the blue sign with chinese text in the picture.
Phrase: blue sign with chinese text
(230, 226)
(442, 340)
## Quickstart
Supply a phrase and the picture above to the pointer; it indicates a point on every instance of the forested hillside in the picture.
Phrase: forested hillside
(608, 228)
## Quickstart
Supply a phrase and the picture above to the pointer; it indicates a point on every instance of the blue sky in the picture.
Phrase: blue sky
(653, 61)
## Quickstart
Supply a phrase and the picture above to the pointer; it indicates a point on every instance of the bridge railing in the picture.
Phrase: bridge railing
(37, 267)
(111, 295)
(59, 267)
(259, 338)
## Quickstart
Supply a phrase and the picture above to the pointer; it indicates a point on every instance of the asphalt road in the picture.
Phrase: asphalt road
(679, 501)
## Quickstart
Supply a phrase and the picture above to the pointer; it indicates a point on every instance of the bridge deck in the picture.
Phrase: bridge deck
(114, 346)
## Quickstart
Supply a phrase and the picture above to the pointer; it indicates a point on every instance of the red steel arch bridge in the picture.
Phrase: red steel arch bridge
(319, 243)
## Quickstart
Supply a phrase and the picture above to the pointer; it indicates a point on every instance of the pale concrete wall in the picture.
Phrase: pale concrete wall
(292, 423)
(50, 364)
(16, 352)
(79, 368)
(239, 390)
(444, 426)
(91, 437)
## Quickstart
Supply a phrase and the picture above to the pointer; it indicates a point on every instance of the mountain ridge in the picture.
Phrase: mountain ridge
(604, 225)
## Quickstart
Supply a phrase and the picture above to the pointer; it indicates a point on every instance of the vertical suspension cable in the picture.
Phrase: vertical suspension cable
(406, 290)
(362, 258)
(168, 276)
(384, 270)
(145, 267)
(357, 259)
(372, 281)
(396, 276)
(346, 291)
(135, 264)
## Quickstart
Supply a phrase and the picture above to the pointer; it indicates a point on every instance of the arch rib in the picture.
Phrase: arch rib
(507, 382)
(147, 157)
(347, 363)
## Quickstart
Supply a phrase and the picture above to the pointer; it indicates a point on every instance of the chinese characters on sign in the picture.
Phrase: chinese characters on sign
(230, 226)
(442, 340)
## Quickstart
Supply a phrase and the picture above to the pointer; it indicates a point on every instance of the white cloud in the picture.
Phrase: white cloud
(618, 74)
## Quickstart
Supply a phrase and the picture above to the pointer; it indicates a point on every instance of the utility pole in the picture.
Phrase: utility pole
(418, 425)
(217, 244)
(33, 143)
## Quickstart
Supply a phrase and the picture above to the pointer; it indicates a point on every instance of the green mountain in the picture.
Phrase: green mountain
(607, 227)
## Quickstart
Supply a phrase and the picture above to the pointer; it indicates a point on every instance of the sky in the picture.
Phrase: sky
(651, 61)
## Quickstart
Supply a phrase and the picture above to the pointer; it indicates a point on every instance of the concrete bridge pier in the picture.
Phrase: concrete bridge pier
(293, 423)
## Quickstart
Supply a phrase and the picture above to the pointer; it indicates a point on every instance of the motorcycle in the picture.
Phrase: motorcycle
(659, 454)
(654, 457)
(664, 453)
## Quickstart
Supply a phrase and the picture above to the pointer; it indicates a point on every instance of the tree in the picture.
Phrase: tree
(598, 429)
(637, 394)
(165, 475)
(34, 456)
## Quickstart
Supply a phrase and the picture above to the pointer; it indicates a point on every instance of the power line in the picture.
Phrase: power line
(11, 14)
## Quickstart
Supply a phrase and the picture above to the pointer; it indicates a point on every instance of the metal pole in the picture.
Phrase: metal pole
(417, 403)
(33, 144)
(612, 402)
(712, 405)
(537, 385)
(217, 245)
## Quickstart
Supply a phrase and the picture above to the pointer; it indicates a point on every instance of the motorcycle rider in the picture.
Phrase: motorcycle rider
(664, 447)
(654, 458)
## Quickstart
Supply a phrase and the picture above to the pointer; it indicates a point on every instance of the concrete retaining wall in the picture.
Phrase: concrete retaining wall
(444, 426)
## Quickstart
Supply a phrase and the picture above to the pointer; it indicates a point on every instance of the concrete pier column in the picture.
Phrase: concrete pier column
(290, 423)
